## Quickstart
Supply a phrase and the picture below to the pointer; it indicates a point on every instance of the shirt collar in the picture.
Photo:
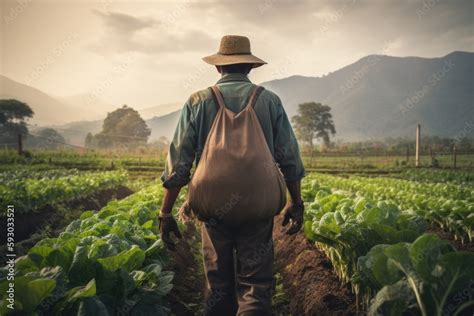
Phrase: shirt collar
(233, 77)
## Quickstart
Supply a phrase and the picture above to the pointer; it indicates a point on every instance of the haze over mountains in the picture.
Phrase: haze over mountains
(382, 96)
(51, 110)
(376, 97)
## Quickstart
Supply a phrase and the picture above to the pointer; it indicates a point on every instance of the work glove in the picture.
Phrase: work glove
(294, 213)
(168, 225)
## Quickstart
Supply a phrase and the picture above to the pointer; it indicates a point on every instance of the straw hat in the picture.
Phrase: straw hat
(234, 49)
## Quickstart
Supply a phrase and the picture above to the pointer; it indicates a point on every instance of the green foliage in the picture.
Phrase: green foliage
(376, 243)
(46, 138)
(53, 187)
(104, 263)
(432, 274)
(13, 116)
(123, 127)
(314, 121)
(449, 205)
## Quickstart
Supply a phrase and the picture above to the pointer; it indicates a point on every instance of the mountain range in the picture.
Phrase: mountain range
(376, 97)
(382, 96)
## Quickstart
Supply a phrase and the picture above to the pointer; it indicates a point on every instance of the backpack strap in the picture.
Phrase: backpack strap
(216, 93)
(254, 96)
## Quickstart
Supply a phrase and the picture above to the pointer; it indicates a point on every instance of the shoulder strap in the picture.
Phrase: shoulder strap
(216, 93)
(254, 96)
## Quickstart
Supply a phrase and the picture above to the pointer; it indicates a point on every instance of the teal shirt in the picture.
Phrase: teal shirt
(198, 114)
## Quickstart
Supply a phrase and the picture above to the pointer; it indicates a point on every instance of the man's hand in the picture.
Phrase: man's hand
(294, 213)
(168, 225)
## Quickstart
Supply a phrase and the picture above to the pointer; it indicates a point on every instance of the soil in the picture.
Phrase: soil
(305, 277)
(460, 246)
(308, 277)
(186, 297)
(28, 224)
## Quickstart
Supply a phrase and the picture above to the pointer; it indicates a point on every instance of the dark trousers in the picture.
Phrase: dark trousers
(238, 266)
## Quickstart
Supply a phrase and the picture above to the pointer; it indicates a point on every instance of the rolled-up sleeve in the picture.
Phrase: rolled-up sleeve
(182, 151)
(287, 152)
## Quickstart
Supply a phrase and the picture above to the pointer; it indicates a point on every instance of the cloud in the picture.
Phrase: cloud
(125, 23)
(126, 33)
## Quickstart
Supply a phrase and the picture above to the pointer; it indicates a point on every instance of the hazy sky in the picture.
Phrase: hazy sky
(146, 53)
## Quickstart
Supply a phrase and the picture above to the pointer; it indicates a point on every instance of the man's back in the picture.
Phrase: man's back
(237, 188)
(199, 113)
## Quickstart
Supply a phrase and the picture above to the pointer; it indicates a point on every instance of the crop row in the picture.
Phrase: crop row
(383, 252)
(108, 262)
(451, 206)
(424, 175)
(32, 194)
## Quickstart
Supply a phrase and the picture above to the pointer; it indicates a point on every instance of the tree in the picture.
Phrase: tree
(314, 121)
(13, 116)
(123, 127)
(46, 138)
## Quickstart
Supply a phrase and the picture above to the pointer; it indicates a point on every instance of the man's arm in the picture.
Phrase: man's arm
(177, 173)
(294, 212)
(169, 199)
(294, 187)
(168, 224)
(288, 157)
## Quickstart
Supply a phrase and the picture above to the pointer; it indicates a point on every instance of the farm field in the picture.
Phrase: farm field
(382, 240)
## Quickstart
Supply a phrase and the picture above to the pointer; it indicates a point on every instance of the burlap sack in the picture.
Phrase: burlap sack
(237, 180)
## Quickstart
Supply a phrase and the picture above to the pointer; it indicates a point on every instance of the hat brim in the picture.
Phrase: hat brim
(222, 60)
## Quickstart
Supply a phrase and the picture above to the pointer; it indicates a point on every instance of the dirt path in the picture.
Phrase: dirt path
(308, 277)
(305, 281)
(186, 297)
(30, 227)
(466, 246)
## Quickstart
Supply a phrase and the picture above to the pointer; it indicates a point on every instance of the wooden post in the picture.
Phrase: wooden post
(417, 153)
(454, 156)
(20, 144)
(408, 153)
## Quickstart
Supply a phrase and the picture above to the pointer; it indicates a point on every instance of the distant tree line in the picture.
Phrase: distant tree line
(314, 128)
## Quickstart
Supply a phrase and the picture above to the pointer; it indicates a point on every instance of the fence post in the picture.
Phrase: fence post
(417, 154)
(408, 153)
(20, 144)
(454, 156)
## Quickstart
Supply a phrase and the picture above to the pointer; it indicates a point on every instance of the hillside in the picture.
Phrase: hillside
(163, 125)
(48, 110)
(373, 98)
(382, 96)
(159, 110)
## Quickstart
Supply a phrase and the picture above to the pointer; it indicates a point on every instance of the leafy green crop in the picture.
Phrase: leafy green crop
(427, 274)
(29, 194)
(380, 247)
(450, 206)
(347, 226)
(104, 263)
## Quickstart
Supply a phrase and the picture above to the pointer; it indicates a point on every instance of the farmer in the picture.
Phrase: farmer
(246, 155)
